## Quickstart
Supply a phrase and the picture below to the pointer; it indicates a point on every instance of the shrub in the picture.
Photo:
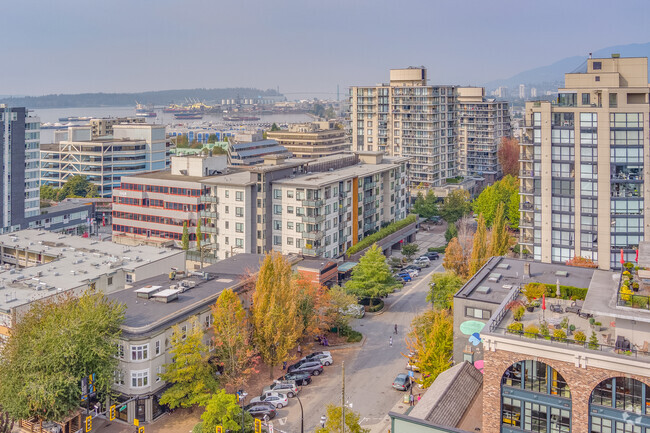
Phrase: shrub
(629, 265)
(635, 285)
(566, 292)
(593, 341)
(531, 331)
(198, 428)
(592, 321)
(543, 329)
(375, 237)
(572, 328)
(438, 250)
(518, 313)
(559, 335)
(533, 291)
(564, 323)
(641, 301)
(516, 328)
(354, 336)
(598, 324)
(580, 336)
(536, 303)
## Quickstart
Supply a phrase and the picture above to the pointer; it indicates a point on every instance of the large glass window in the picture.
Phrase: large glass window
(511, 412)
(628, 401)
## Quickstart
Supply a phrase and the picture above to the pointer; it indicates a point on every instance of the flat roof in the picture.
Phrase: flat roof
(148, 316)
(327, 177)
(78, 261)
(242, 178)
(165, 175)
(513, 275)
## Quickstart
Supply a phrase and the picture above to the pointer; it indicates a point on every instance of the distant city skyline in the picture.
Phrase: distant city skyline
(308, 48)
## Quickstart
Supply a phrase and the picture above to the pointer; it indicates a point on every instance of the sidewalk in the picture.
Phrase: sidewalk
(383, 425)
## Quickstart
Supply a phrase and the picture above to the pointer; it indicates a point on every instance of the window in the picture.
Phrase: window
(277, 240)
(289, 193)
(277, 225)
(511, 413)
(239, 227)
(613, 100)
(239, 211)
(157, 347)
(239, 242)
(227, 193)
(597, 66)
(239, 195)
(120, 351)
(129, 278)
(477, 313)
(588, 120)
(289, 209)
(139, 379)
(158, 372)
(118, 377)
(277, 209)
(227, 209)
(585, 98)
(184, 332)
(289, 241)
(597, 78)
(300, 211)
(277, 193)
(290, 225)
(110, 281)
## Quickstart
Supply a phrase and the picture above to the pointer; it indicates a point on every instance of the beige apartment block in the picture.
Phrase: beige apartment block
(311, 140)
(584, 165)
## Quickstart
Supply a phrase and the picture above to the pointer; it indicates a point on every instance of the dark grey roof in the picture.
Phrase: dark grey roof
(260, 151)
(514, 275)
(450, 395)
(254, 144)
(317, 264)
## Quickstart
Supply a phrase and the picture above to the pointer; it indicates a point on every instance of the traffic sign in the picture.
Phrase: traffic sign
(89, 423)
(111, 413)
(258, 426)
(141, 429)
(219, 429)
(136, 422)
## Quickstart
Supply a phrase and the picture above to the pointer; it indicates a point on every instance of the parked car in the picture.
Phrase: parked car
(354, 310)
(301, 379)
(324, 357)
(422, 261)
(312, 367)
(287, 387)
(411, 364)
(404, 276)
(411, 267)
(277, 399)
(402, 382)
(413, 272)
(432, 255)
(261, 410)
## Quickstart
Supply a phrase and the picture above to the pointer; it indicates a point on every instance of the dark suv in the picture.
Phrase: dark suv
(301, 379)
(312, 367)
(261, 410)
(431, 255)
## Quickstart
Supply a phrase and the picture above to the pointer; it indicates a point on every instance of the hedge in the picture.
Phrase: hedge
(439, 250)
(566, 292)
(376, 237)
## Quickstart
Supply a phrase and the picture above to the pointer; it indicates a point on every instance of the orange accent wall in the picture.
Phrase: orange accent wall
(355, 210)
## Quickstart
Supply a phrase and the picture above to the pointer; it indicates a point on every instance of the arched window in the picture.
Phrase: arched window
(620, 404)
(534, 397)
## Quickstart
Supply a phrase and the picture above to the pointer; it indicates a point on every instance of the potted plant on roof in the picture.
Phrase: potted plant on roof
(533, 292)
(518, 309)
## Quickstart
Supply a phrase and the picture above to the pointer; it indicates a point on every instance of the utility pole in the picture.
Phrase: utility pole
(343, 397)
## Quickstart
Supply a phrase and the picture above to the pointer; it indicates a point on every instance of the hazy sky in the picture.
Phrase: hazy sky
(70, 46)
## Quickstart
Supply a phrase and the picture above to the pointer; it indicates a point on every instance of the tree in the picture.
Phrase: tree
(500, 239)
(581, 262)
(185, 238)
(442, 289)
(199, 234)
(508, 156)
(190, 375)
(426, 207)
(451, 232)
(223, 409)
(275, 127)
(276, 322)
(409, 250)
(480, 248)
(231, 336)
(505, 191)
(51, 348)
(313, 306)
(456, 259)
(455, 205)
(48, 192)
(6, 422)
(77, 186)
(335, 420)
(431, 337)
(181, 141)
(339, 301)
(371, 278)
(212, 138)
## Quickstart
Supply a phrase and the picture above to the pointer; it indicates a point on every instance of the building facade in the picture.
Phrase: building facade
(312, 140)
(482, 123)
(19, 156)
(583, 166)
(132, 149)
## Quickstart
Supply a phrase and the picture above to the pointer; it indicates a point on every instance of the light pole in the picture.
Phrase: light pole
(242, 395)
(302, 424)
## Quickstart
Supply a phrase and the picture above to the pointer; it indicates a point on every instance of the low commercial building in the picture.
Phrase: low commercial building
(319, 272)
(312, 140)
(153, 307)
(253, 152)
(38, 264)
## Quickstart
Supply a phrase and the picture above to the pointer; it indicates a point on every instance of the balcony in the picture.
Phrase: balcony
(369, 199)
(313, 252)
(526, 223)
(526, 173)
(526, 157)
(313, 235)
(369, 226)
(209, 199)
(210, 228)
(527, 190)
(526, 206)
(369, 185)
(527, 240)
(319, 219)
(313, 203)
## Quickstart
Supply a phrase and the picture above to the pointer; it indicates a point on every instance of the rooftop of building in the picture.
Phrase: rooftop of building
(147, 316)
(454, 399)
(77, 261)
(235, 178)
(165, 175)
(315, 264)
(495, 280)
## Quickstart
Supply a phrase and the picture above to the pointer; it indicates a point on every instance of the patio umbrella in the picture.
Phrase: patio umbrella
(557, 289)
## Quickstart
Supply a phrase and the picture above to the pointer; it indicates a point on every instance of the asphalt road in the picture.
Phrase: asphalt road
(369, 369)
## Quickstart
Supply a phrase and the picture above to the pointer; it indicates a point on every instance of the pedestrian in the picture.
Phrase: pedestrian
(390, 341)
(419, 398)
(411, 400)
(299, 350)
(396, 328)
(284, 365)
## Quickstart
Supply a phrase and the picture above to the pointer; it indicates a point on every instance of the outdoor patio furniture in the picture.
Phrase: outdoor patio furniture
(572, 309)
(619, 342)
(556, 308)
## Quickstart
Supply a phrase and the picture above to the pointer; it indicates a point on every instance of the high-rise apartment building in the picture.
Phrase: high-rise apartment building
(311, 140)
(19, 159)
(408, 117)
(131, 149)
(584, 172)
(522, 91)
(481, 124)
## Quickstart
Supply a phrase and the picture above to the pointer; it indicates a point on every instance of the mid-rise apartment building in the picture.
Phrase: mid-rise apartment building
(584, 170)
(482, 123)
(312, 140)
(408, 117)
(131, 149)
(104, 126)
(19, 156)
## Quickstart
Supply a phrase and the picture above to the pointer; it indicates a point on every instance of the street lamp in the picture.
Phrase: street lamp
(242, 395)
(302, 426)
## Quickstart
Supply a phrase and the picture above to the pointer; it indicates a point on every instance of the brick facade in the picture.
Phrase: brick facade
(581, 382)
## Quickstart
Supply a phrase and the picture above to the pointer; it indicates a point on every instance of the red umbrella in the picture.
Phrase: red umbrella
(622, 260)
(637, 256)
(543, 302)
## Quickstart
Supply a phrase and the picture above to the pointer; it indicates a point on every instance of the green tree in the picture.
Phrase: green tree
(212, 138)
(432, 338)
(218, 150)
(231, 336)
(181, 141)
(451, 232)
(6, 422)
(334, 421)
(222, 409)
(409, 250)
(426, 207)
(276, 322)
(339, 300)
(371, 277)
(51, 348)
(48, 192)
(76, 186)
(504, 191)
(190, 375)
(455, 205)
(500, 239)
(456, 258)
(480, 247)
(199, 234)
(442, 289)
(275, 127)
(185, 238)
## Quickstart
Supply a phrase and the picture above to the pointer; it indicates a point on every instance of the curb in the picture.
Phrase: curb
(349, 345)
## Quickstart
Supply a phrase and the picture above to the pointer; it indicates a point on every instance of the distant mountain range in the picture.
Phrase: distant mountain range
(553, 74)
(161, 97)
